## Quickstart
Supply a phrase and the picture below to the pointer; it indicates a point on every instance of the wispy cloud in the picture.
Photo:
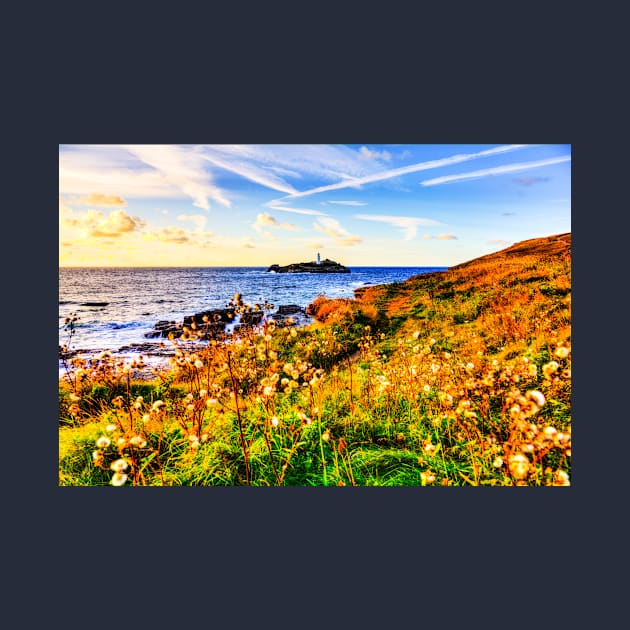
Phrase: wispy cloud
(177, 235)
(198, 219)
(271, 165)
(528, 181)
(370, 154)
(409, 225)
(306, 211)
(404, 170)
(252, 172)
(98, 199)
(265, 220)
(138, 171)
(440, 237)
(331, 227)
(497, 170)
(348, 203)
(182, 167)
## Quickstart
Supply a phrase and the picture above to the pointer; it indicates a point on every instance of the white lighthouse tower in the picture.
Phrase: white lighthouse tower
(319, 262)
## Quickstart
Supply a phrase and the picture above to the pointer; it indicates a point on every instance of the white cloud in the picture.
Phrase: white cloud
(369, 154)
(408, 224)
(96, 224)
(498, 170)
(151, 171)
(98, 199)
(265, 220)
(280, 208)
(330, 162)
(172, 234)
(440, 237)
(198, 219)
(331, 227)
(412, 168)
(251, 171)
(349, 203)
(182, 167)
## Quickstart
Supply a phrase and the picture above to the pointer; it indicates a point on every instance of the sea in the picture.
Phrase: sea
(117, 306)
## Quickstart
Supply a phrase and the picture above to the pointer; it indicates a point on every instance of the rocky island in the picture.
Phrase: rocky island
(318, 266)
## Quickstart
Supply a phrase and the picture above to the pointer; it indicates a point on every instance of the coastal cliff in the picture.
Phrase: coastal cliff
(325, 266)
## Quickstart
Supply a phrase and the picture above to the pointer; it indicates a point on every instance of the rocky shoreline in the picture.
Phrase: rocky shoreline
(211, 323)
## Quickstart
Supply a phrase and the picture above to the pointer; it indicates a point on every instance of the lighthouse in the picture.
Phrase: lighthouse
(319, 262)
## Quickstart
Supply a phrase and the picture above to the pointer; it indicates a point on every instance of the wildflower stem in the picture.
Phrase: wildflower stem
(238, 417)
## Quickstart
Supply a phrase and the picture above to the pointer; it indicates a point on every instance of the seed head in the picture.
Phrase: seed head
(119, 466)
(536, 397)
(550, 368)
(518, 465)
(561, 479)
(118, 479)
(103, 442)
(562, 352)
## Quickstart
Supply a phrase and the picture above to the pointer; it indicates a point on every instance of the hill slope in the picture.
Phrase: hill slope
(519, 295)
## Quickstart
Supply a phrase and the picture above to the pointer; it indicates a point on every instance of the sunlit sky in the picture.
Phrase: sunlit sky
(357, 204)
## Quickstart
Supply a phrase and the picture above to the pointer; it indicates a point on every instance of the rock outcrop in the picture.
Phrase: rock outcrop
(326, 266)
(213, 322)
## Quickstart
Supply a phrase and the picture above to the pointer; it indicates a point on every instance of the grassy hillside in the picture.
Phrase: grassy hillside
(461, 377)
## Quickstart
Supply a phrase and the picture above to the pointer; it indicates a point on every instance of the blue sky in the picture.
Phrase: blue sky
(255, 205)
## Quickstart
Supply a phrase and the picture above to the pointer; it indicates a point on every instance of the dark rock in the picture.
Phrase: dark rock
(207, 324)
(164, 328)
(216, 316)
(291, 314)
(251, 318)
(326, 266)
(289, 309)
(149, 349)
